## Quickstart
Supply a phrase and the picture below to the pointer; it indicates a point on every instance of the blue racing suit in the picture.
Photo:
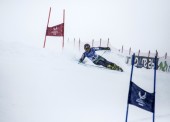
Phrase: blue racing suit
(96, 59)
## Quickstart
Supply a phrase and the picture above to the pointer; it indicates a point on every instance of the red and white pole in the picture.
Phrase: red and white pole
(166, 55)
(79, 44)
(139, 52)
(149, 53)
(122, 48)
(100, 42)
(129, 50)
(92, 42)
(74, 42)
(108, 43)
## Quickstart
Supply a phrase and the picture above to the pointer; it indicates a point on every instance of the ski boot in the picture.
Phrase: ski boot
(119, 69)
(114, 67)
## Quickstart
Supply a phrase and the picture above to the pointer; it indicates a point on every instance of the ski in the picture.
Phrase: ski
(96, 66)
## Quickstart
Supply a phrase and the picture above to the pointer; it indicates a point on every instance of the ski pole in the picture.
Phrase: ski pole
(105, 52)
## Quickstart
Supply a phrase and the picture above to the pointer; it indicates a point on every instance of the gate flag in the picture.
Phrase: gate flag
(57, 30)
(141, 98)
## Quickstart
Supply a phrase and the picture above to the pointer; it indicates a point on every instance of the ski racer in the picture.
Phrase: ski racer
(97, 59)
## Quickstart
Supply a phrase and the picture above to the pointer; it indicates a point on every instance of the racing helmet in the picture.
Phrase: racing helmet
(86, 47)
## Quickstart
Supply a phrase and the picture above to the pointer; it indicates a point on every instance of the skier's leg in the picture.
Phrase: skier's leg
(101, 61)
(105, 63)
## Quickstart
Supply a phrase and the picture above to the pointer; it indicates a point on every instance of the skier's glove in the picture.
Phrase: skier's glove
(80, 61)
(107, 48)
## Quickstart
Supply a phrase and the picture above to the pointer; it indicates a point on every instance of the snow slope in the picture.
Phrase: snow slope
(47, 85)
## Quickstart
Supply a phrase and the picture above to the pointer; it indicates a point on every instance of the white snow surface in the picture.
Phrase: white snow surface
(48, 85)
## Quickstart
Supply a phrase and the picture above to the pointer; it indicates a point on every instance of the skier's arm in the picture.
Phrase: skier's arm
(101, 48)
(82, 58)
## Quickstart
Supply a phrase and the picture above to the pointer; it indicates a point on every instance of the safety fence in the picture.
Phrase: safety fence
(142, 60)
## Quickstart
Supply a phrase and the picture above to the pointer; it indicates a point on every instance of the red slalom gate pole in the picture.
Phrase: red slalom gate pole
(47, 27)
(63, 28)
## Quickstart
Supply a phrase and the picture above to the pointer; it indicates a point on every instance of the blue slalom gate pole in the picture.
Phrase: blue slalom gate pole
(155, 68)
(127, 110)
